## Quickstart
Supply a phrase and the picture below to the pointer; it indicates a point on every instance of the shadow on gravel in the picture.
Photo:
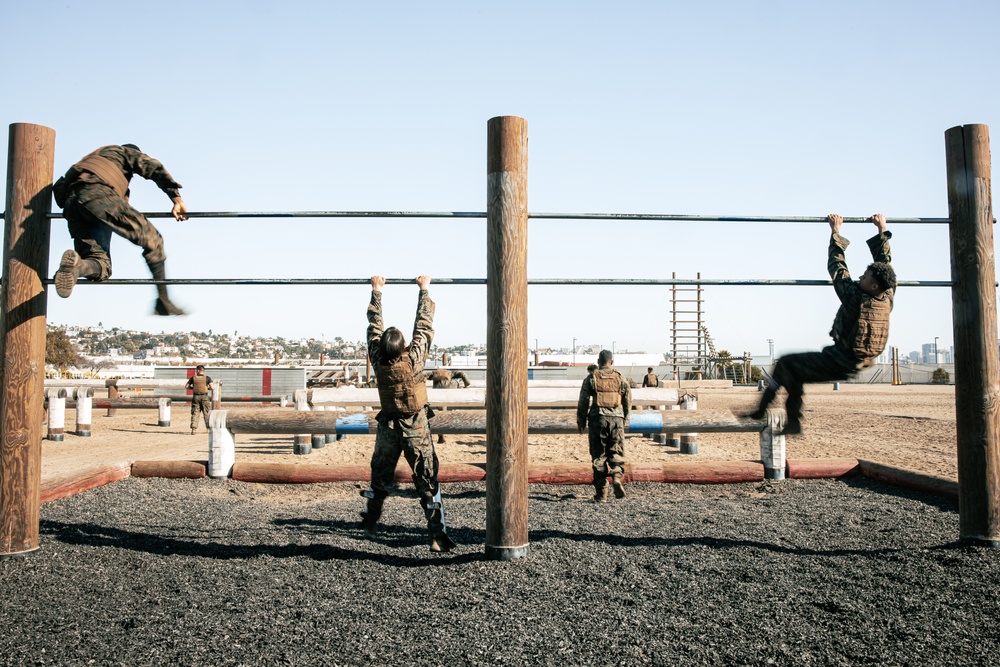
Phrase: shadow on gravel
(92, 535)
(941, 503)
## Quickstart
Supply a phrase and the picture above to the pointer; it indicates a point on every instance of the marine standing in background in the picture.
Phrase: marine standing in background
(650, 380)
(94, 197)
(201, 387)
(605, 401)
(860, 329)
(402, 421)
(444, 379)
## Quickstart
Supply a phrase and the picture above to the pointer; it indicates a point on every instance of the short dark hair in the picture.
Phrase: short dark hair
(604, 357)
(392, 344)
(591, 368)
(649, 370)
(884, 274)
(199, 367)
(132, 146)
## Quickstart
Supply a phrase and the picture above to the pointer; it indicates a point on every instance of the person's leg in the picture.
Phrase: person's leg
(206, 408)
(418, 448)
(133, 226)
(195, 411)
(91, 254)
(614, 445)
(598, 459)
(383, 471)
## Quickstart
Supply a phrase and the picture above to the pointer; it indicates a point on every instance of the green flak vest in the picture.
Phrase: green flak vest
(398, 392)
(871, 333)
(608, 384)
(104, 169)
(199, 385)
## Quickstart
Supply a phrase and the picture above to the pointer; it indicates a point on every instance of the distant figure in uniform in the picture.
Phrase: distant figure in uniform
(445, 379)
(650, 380)
(860, 329)
(94, 197)
(605, 400)
(591, 368)
(402, 421)
(201, 387)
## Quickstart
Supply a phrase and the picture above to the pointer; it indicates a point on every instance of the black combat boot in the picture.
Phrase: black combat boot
(765, 401)
(440, 542)
(163, 304)
(601, 491)
(616, 484)
(72, 267)
(372, 513)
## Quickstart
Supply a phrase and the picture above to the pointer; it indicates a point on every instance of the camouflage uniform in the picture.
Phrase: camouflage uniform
(94, 210)
(444, 379)
(606, 432)
(835, 362)
(406, 434)
(201, 404)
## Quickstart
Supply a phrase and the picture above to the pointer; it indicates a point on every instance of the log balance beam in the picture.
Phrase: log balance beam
(224, 425)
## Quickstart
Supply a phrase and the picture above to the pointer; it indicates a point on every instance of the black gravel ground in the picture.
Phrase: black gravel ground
(210, 572)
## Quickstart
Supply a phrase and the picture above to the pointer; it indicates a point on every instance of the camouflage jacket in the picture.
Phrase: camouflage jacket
(420, 341)
(587, 405)
(850, 294)
(132, 163)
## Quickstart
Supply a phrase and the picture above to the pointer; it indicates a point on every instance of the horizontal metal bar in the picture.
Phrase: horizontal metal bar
(637, 217)
(482, 281)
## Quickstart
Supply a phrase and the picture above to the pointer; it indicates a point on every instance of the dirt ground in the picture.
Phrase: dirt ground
(910, 426)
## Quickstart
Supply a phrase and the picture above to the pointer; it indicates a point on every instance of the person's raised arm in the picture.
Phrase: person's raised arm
(179, 210)
(423, 325)
(879, 244)
(837, 263)
(375, 326)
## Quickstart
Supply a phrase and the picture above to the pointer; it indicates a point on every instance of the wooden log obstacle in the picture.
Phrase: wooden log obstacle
(547, 396)
(225, 424)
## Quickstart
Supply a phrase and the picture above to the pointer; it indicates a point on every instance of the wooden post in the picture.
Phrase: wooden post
(57, 413)
(30, 159)
(507, 338)
(974, 320)
(112, 393)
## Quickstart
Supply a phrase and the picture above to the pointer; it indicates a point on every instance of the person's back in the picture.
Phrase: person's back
(650, 380)
(604, 404)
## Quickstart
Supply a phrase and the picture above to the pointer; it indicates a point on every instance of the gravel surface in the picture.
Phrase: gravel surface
(209, 572)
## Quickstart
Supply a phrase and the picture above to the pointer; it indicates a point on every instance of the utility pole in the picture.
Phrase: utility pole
(770, 347)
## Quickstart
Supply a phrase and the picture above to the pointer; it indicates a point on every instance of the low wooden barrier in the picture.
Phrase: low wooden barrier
(224, 425)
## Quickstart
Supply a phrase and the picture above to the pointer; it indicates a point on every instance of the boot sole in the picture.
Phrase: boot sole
(65, 278)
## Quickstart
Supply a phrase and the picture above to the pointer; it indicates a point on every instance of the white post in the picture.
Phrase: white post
(689, 441)
(318, 440)
(57, 414)
(772, 446)
(84, 410)
(164, 412)
(672, 439)
(221, 445)
(303, 441)
(216, 395)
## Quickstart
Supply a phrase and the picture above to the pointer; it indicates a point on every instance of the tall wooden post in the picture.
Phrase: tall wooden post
(31, 151)
(507, 338)
(974, 315)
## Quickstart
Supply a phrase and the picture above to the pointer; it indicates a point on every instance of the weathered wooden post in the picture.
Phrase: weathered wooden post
(974, 320)
(507, 338)
(84, 410)
(30, 159)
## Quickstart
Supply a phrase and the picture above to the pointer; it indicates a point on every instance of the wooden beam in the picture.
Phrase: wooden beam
(30, 157)
(507, 338)
(974, 321)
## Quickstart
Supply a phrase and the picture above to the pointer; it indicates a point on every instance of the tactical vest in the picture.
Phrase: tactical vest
(652, 380)
(104, 169)
(199, 384)
(398, 391)
(871, 333)
(608, 385)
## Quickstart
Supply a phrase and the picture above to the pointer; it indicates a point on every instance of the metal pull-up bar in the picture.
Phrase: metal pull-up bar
(482, 281)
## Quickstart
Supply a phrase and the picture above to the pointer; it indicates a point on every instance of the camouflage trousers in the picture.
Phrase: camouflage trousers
(201, 405)
(795, 370)
(94, 212)
(607, 445)
(411, 437)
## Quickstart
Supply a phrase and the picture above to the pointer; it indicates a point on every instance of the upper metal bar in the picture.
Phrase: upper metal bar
(482, 281)
(639, 217)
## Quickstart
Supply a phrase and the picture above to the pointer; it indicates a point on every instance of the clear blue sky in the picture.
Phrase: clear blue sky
(749, 108)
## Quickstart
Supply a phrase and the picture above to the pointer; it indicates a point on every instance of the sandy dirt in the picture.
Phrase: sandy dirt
(910, 426)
